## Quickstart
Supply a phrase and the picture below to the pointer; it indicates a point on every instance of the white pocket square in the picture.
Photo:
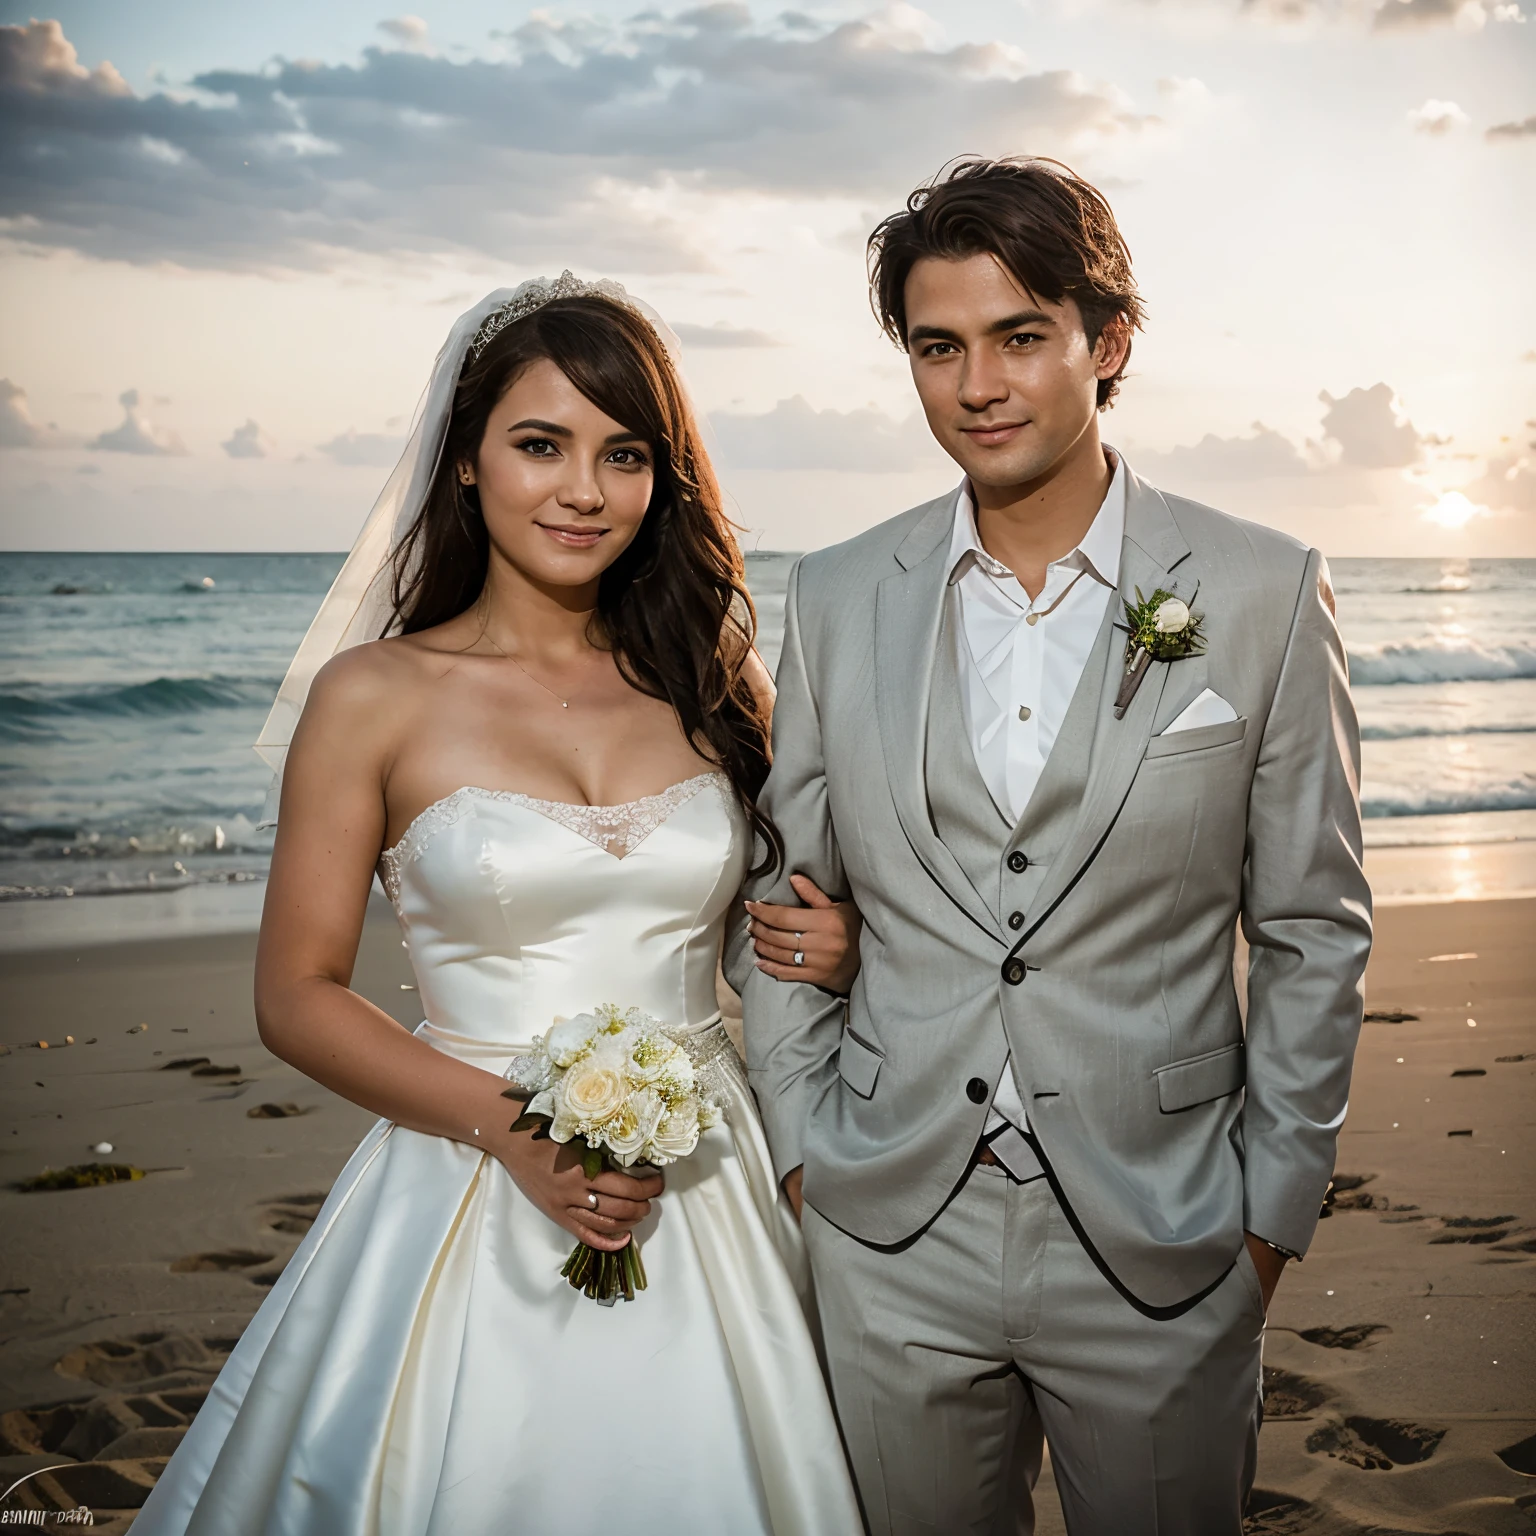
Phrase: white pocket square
(1208, 709)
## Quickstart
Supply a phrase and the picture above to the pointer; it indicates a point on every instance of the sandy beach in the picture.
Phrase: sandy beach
(1401, 1358)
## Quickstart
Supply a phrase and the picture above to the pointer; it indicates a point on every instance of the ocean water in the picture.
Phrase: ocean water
(131, 687)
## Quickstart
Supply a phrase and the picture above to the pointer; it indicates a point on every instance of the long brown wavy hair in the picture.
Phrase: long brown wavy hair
(673, 608)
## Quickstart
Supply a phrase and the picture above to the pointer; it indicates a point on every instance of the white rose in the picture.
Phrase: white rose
(630, 1138)
(593, 1089)
(1171, 617)
(678, 1134)
(569, 1037)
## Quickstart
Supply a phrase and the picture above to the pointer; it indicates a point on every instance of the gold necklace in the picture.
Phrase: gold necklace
(486, 635)
(563, 703)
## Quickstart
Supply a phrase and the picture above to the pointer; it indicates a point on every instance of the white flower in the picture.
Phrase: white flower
(1172, 616)
(678, 1133)
(630, 1137)
(650, 1056)
(569, 1038)
(594, 1088)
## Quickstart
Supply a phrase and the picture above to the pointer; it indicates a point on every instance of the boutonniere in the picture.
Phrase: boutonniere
(1158, 628)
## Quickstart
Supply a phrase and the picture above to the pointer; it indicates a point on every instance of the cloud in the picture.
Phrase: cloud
(1524, 129)
(377, 450)
(1507, 483)
(39, 60)
(248, 442)
(409, 31)
(1408, 15)
(136, 433)
(722, 335)
(1368, 431)
(580, 135)
(17, 429)
(1263, 455)
(1437, 117)
(794, 435)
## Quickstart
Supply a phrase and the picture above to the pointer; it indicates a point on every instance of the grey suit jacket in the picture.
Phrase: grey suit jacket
(1165, 1127)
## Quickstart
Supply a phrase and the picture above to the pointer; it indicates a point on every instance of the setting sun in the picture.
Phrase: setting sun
(1453, 510)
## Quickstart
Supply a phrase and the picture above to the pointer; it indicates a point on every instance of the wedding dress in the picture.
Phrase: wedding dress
(421, 1368)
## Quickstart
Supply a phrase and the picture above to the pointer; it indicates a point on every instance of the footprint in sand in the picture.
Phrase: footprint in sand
(225, 1259)
(1521, 1241)
(1376, 1445)
(1521, 1456)
(283, 1111)
(1350, 1336)
(1473, 1229)
(142, 1357)
(1289, 1396)
(1280, 1514)
(293, 1215)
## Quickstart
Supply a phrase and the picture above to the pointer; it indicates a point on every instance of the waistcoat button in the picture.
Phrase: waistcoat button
(1017, 862)
(1013, 972)
(976, 1090)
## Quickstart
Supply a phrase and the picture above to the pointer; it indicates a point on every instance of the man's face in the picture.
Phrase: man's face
(1008, 382)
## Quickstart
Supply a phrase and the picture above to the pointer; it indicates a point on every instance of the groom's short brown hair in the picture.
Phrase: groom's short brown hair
(1052, 230)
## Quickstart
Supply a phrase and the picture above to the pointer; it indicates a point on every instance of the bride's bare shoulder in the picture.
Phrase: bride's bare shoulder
(359, 680)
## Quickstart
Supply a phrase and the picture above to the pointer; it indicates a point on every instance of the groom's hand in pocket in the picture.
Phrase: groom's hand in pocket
(1269, 1264)
(551, 1175)
(823, 933)
(793, 1180)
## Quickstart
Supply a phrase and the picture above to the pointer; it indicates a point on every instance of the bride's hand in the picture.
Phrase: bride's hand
(550, 1174)
(825, 933)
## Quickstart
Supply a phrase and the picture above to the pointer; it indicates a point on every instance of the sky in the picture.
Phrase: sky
(233, 238)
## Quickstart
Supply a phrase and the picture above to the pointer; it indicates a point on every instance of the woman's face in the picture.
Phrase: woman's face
(563, 487)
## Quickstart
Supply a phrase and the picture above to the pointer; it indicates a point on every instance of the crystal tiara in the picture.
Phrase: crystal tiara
(536, 295)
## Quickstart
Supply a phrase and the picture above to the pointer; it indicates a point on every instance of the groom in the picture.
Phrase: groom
(1049, 1178)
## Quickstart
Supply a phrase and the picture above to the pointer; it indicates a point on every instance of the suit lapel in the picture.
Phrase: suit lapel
(1151, 548)
(909, 609)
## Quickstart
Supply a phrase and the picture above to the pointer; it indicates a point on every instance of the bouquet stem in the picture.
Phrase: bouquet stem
(606, 1276)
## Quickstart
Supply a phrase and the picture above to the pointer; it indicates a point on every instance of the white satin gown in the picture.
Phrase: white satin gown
(421, 1368)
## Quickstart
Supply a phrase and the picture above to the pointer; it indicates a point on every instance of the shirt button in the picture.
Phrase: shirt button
(1015, 919)
(1013, 972)
(1025, 711)
(1017, 862)
(976, 1090)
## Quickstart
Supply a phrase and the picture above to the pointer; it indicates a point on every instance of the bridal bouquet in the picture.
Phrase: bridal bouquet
(624, 1083)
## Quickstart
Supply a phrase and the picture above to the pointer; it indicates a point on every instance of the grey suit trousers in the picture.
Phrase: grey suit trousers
(952, 1354)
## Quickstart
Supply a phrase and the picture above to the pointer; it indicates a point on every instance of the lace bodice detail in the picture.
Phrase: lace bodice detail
(616, 829)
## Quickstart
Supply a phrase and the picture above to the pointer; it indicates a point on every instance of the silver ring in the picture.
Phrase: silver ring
(799, 938)
(591, 1200)
(799, 957)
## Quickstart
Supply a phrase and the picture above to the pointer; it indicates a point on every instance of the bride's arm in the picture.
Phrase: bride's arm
(824, 933)
(330, 832)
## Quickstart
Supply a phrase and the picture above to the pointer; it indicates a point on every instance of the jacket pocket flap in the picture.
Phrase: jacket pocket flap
(858, 1064)
(1183, 1084)
(1202, 736)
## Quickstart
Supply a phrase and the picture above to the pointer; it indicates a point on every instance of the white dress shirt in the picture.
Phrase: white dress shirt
(1020, 663)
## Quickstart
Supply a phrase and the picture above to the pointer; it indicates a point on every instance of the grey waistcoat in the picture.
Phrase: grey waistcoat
(964, 814)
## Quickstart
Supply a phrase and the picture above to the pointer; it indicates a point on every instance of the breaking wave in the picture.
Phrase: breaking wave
(1440, 661)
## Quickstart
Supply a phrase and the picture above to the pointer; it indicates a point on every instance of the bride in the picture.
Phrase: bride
(552, 764)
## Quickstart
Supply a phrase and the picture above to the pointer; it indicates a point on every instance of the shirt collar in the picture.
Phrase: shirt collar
(1099, 549)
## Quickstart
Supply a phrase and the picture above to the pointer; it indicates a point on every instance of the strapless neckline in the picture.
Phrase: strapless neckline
(617, 829)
